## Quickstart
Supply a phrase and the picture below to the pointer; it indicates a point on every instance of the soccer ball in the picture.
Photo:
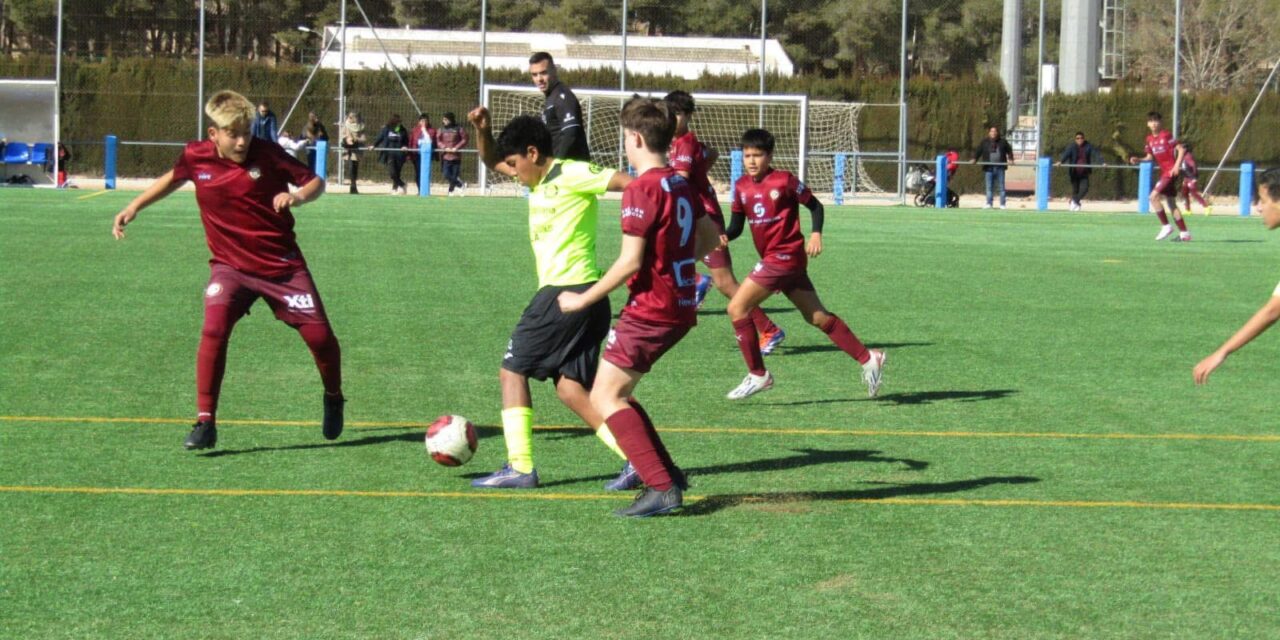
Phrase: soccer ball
(451, 440)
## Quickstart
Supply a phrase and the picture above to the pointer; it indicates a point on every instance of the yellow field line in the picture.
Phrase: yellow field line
(1227, 437)
(92, 195)
(535, 495)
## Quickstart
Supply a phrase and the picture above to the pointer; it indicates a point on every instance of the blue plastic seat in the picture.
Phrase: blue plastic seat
(40, 153)
(17, 153)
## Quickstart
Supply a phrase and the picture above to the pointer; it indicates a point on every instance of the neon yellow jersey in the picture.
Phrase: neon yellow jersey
(563, 214)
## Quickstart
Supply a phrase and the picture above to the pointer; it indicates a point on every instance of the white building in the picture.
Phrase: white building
(659, 55)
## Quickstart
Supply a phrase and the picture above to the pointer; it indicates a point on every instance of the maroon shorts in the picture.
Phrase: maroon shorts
(292, 297)
(782, 278)
(1166, 186)
(638, 344)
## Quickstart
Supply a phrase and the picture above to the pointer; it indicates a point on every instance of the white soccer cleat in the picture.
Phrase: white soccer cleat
(751, 385)
(1165, 232)
(873, 373)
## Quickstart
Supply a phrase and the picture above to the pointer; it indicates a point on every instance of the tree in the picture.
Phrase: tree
(1226, 44)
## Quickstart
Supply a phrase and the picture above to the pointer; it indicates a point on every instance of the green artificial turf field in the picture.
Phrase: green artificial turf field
(1039, 463)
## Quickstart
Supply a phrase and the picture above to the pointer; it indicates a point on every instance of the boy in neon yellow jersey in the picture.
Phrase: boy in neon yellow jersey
(546, 342)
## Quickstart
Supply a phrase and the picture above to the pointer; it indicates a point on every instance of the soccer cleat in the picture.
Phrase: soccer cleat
(771, 340)
(986, 206)
(651, 502)
(627, 479)
(873, 372)
(751, 385)
(1208, 210)
(1002, 207)
(704, 285)
(1184, 236)
(508, 478)
(1165, 232)
(332, 425)
(204, 435)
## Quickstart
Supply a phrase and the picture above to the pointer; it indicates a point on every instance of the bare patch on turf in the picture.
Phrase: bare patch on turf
(842, 581)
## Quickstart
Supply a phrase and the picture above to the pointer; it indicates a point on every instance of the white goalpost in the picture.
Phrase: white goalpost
(719, 123)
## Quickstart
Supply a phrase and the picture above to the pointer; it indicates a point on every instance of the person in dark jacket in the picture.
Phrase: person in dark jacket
(560, 110)
(1080, 152)
(264, 124)
(392, 143)
(996, 155)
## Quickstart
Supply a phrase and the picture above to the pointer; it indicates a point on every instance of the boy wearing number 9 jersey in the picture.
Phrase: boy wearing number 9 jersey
(664, 233)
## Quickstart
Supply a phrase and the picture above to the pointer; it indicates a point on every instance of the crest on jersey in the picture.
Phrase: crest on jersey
(773, 195)
(255, 173)
(212, 290)
(551, 190)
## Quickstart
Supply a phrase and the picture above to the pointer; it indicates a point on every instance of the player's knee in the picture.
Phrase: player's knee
(819, 318)
(217, 324)
(318, 336)
(737, 310)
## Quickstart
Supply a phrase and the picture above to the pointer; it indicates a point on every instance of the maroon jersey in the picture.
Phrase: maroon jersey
(688, 154)
(1164, 149)
(659, 206)
(242, 228)
(772, 209)
(1190, 170)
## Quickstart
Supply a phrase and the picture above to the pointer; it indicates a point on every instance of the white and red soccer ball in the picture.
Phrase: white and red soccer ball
(451, 440)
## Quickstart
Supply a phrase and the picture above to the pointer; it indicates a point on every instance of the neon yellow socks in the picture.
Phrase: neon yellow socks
(606, 436)
(517, 430)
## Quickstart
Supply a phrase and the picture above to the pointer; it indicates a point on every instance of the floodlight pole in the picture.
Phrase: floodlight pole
(1040, 86)
(200, 80)
(902, 107)
(484, 42)
(1177, 63)
(764, 19)
(342, 80)
(622, 86)
(57, 98)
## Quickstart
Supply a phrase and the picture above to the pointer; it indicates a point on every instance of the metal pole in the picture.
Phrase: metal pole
(57, 98)
(484, 44)
(1040, 84)
(764, 19)
(902, 107)
(1231, 147)
(1177, 63)
(622, 86)
(200, 80)
(342, 80)
(387, 54)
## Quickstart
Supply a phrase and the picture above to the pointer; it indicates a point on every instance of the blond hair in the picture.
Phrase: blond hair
(227, 109)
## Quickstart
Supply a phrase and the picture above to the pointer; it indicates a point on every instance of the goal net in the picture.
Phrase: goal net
(719, 123)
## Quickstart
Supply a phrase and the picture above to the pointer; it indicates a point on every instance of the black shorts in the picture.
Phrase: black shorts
(549, 344)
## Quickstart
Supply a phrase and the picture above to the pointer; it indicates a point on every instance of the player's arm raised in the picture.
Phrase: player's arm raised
(629, 261)
(485, 144)
(1261, 321)
(162, 187)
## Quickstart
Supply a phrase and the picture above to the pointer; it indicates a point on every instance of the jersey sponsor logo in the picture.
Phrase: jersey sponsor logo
(632, 212)
(255, 173)
(212, 290)
(300, 301)
(568, 117)
(204, 176)
(613, 338)
(759, 210)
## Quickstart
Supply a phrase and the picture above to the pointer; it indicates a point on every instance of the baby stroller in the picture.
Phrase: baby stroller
(920, 180)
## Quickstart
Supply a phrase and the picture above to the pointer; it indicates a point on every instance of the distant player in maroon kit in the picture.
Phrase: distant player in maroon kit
(242, 188)
(769, 199)
(1167, 153)
(664, 231)
(693, 160)
(1191, 180)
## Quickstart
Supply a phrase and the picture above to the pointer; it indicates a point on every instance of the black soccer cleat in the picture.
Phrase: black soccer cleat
(651, 502)
(332, 424)
(204, 435)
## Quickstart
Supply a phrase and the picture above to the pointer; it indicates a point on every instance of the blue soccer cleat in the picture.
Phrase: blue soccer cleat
(507, 478)
(704, 285)
(771, 340)
(651, 502)
(627, 479)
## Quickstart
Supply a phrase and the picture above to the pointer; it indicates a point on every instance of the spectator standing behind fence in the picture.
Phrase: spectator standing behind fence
(64, 162)
(264, 124)
(314, 132)
(295, 146)
(560, 110)
(1078, 153)
(450, 139)
(996, 155)
(422, 133)
(353, 145)
(392, 143)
